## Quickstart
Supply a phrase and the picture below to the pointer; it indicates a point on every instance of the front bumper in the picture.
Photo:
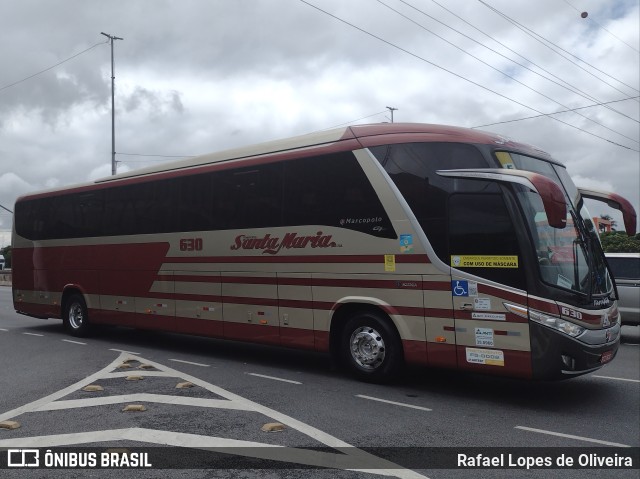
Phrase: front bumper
(558, 356)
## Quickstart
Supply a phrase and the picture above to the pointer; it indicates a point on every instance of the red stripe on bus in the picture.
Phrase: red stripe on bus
(442, 355)
(415, 352)
(340, 259)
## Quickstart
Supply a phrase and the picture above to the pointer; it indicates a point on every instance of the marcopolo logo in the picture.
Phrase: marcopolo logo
(360, 221)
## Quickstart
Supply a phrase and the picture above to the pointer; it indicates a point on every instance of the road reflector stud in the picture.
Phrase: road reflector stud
(9, 425)
(273, 427)
(145, 366)
(184, 385)
(124, 366)
(134, 408)
(134, 378)
(93, 388)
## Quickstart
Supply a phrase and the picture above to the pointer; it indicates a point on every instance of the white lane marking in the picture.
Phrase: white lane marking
(571, 436)
(5, 330)
(74, 342)
(394, 403)
(189, 362)
(350, 457)
(142, 397)
(34, 334)
(123, 351)
(617, 379)
(274, 378)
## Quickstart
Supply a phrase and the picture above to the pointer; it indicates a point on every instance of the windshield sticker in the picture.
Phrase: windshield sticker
(485, 356)
(406, 243)
(505, 160)
(482, 304)
(481, 261)
(484, 337)
(490, 316)
(389, 262)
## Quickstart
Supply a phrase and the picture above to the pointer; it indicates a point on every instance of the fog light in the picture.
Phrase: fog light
(569, 362)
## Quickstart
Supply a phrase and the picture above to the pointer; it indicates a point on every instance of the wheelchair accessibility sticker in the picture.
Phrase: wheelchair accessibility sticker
(464, 288)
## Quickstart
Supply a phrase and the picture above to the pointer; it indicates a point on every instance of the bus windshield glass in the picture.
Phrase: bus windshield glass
(568, 258)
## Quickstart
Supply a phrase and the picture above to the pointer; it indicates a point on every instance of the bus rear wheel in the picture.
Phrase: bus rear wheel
(371, 348)
(75, 316)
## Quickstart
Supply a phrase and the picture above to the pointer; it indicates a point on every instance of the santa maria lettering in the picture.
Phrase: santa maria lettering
(274, 244)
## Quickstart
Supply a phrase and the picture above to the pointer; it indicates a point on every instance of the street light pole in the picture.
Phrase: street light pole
(391, 109)
(113, 114)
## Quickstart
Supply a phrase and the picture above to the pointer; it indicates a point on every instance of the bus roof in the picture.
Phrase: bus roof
(360, 136)
(366, 135)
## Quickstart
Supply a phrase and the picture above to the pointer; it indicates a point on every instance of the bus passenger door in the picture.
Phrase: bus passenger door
(295, 303)
(487, 271)
(250, 307)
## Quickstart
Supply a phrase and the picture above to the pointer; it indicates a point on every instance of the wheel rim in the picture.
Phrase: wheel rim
(76, 316)
(367, 348)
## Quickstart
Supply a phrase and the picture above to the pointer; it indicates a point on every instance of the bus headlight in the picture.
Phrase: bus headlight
(562, 325)
(554, 322)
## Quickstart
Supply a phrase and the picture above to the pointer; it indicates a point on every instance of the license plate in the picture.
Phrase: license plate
(606, 357)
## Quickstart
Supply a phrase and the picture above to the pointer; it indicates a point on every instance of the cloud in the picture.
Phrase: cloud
(194, 77)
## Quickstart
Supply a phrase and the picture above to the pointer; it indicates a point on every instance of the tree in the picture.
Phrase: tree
(619, 242)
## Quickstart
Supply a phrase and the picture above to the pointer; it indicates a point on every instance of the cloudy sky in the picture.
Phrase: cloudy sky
(197, 76)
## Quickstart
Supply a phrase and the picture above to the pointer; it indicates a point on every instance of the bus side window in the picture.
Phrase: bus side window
(333, 190)
(413, 166)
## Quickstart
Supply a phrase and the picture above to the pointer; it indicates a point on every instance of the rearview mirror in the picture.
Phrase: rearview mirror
(617, 202)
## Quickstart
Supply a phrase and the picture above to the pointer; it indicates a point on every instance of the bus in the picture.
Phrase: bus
(382, 245)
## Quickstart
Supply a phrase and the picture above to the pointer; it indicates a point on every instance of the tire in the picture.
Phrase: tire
(370, 347)
(75, 316)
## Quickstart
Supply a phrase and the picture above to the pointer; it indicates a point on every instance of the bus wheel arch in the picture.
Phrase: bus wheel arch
(75, 314)
(364, 340)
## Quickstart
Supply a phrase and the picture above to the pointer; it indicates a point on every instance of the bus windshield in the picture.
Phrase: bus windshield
(569, 258)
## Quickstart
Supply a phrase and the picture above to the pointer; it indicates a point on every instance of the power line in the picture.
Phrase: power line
(353, 121)
(502, 72)
(6, 209)
(540, 39)
(51, 67)
(381, 113)
(561, 82)
(556, 112)
(603, 28)
(387, 42)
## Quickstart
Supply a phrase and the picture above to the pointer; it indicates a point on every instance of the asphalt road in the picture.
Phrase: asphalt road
(329, 418)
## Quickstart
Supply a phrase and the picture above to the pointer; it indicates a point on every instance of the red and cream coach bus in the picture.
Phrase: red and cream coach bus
(381, 244)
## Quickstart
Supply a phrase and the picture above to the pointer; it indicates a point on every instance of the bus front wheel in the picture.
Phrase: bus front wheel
(76, 316)
(371, 348)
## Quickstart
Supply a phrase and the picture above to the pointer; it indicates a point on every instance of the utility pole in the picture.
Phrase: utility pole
(113, 110)
(391, 109)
